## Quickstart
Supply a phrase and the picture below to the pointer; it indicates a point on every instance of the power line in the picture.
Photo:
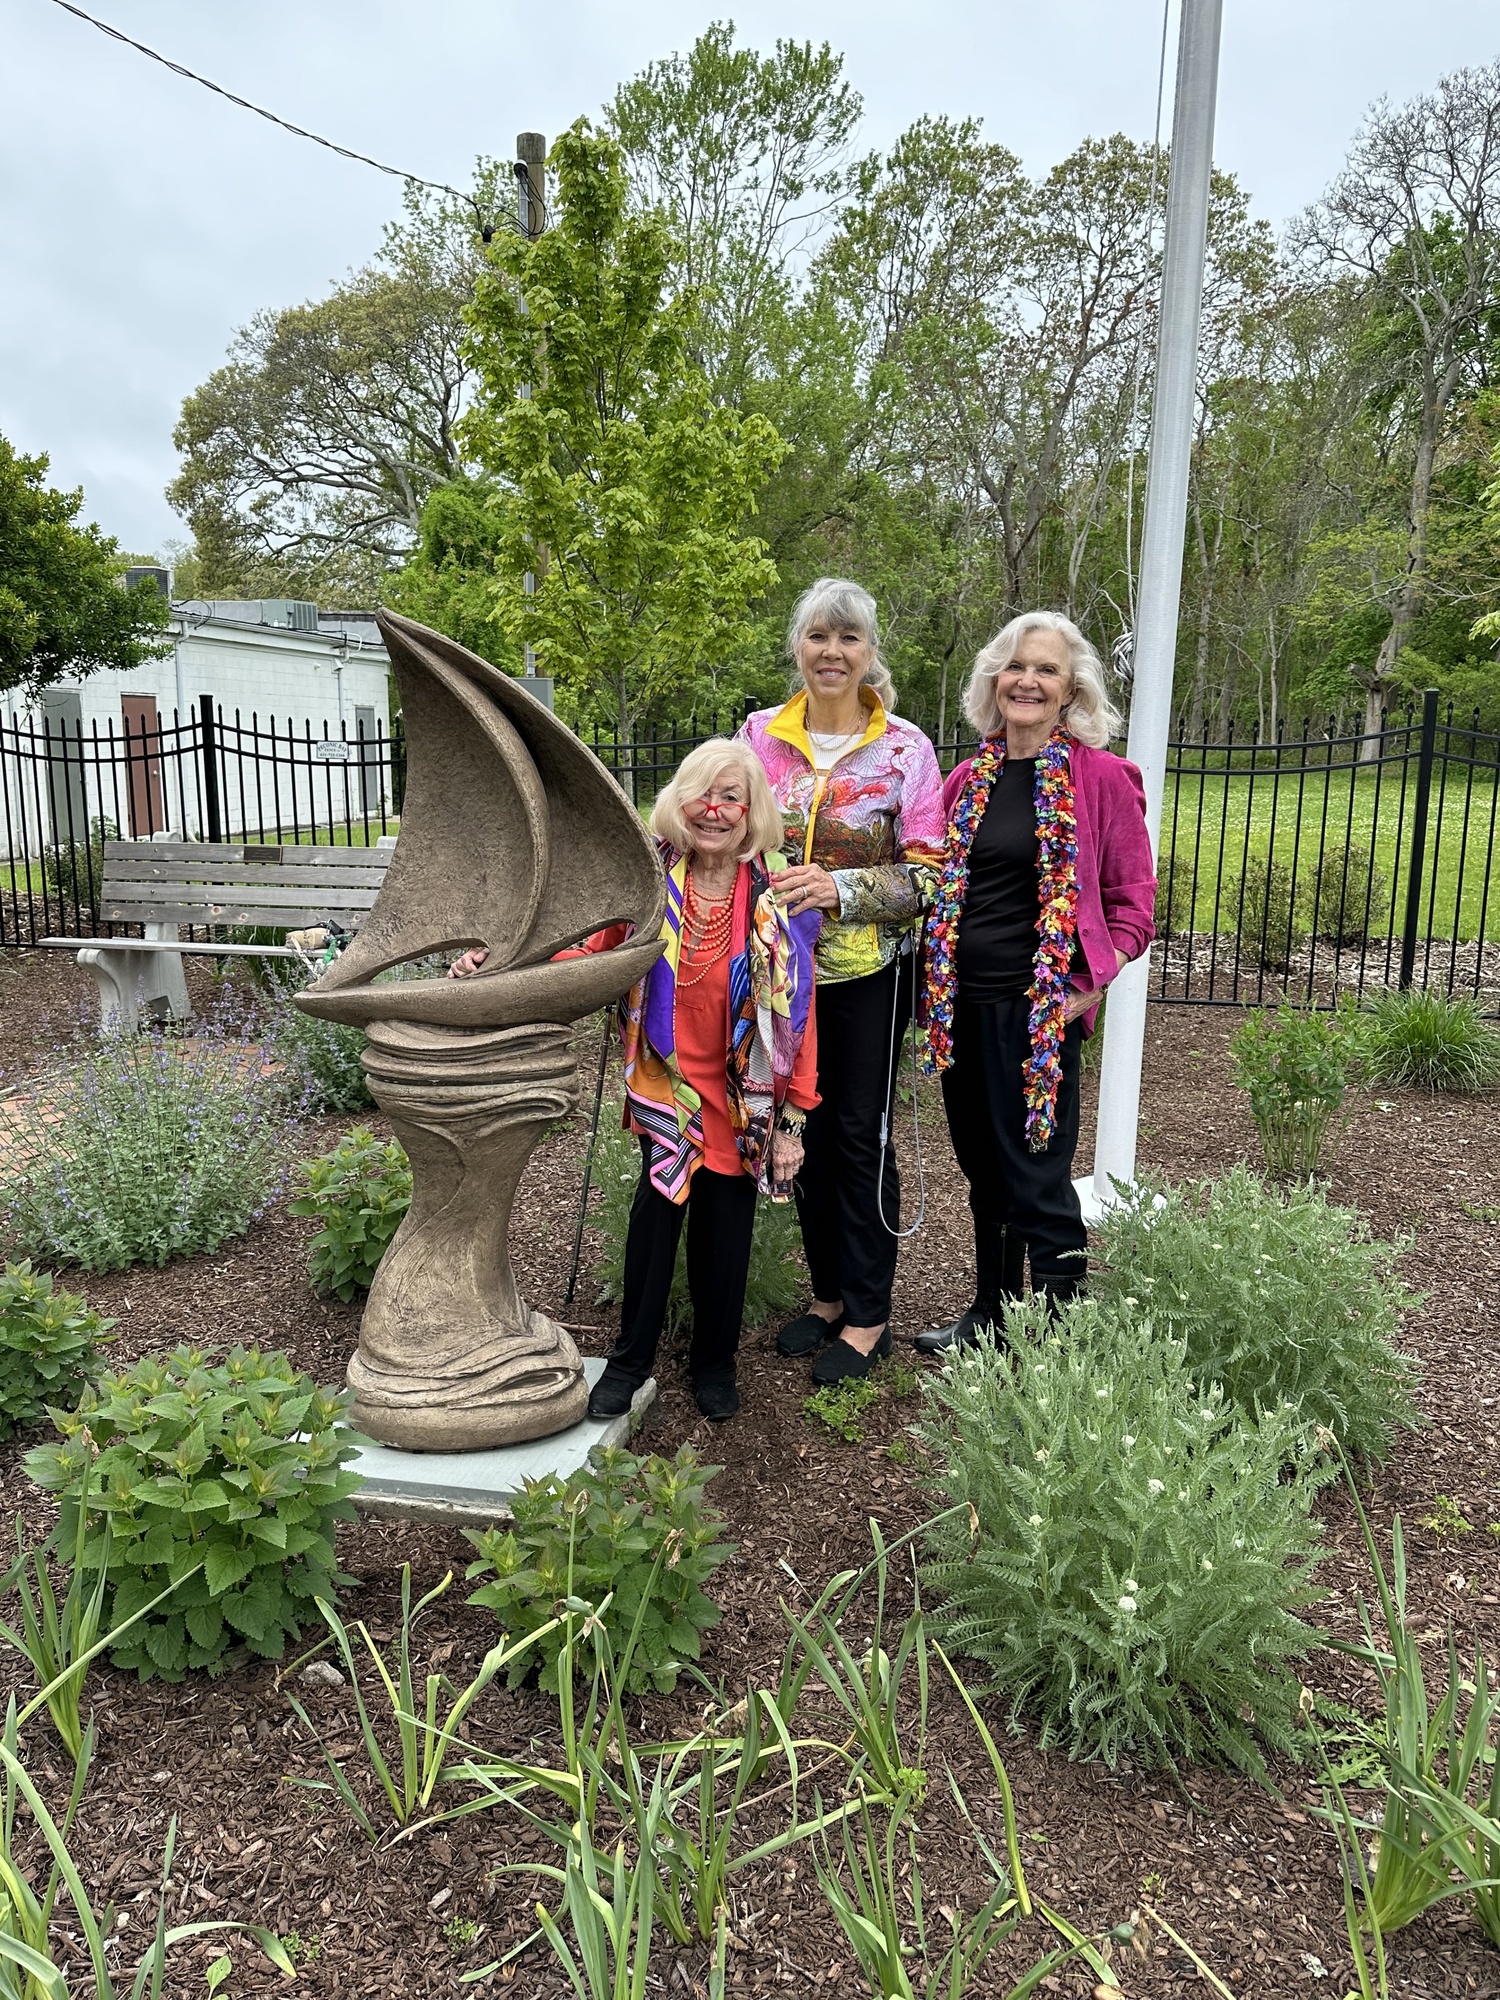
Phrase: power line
(486, 226)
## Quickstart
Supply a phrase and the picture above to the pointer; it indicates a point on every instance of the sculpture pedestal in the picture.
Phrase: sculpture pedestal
(450, 1358)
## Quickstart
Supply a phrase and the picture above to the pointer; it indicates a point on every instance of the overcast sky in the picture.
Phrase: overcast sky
(144, 220)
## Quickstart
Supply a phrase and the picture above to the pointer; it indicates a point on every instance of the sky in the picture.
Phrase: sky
(143, 220)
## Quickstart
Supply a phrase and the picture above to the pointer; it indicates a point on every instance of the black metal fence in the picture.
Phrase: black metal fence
(1303, 864)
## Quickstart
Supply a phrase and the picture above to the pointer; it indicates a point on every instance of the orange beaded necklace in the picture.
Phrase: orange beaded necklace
(706, 935)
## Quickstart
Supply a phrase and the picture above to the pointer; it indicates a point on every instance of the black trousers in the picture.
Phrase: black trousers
(720, 1217)
(847, 1176)
(1022, 1202)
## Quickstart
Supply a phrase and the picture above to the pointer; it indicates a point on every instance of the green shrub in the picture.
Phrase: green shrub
(777, 1279)
(635, 1530)
(145, 1150)
(1297, 1065)
(1349, 896)
(1174, 896)
(1425, 1040)
(324, 1056)
(72, 869)
(49, 1342)
(224, 1478)
(1280, 1297)
(1134, 1564)
(1268, 913)
(360, 1193)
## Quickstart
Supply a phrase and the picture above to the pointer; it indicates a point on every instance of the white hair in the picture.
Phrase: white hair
(837, 602)
(764, 827)
(1089, 714)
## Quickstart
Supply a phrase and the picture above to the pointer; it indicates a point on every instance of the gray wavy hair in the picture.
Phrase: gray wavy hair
(838, 602)
(1088, 712)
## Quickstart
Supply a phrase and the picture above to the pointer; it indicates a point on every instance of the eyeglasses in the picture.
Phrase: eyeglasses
(730, 811)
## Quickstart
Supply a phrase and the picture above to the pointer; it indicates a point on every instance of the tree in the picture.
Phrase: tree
(63, 606)
(747, 156)
(1416, 214)
(618, 483)
(312, 452)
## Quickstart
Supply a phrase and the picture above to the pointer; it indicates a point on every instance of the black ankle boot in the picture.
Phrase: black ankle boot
(980, 1322)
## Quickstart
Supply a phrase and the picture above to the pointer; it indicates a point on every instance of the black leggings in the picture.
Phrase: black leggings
(720, 1216)
(1019, 1199)
(847, 1177)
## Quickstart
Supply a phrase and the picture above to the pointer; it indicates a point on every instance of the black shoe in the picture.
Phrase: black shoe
(807, 1333)
(612, 1395)
(717, 1397)
(841, 1361)
(966, 1331)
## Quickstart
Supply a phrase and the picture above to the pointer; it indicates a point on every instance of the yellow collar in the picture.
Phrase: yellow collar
(790, 725)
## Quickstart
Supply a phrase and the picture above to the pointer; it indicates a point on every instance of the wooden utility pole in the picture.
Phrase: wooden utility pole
(531, 183)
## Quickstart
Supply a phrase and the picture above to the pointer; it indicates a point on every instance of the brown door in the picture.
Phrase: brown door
(142, 764)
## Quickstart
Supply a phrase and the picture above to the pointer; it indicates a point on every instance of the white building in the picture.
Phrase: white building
(265, 718)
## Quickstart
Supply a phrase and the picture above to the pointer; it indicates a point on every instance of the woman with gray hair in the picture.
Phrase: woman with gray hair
(1047, 889)
(861, 794)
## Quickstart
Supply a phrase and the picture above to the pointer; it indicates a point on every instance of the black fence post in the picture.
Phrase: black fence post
(208, 736)
(1426, 757)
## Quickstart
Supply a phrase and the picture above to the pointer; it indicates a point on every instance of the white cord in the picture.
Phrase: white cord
(910, 951)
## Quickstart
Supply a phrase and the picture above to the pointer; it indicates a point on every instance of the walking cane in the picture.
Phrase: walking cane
(588, 1162)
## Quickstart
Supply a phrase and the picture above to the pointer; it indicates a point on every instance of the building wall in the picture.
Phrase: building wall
(280, 694)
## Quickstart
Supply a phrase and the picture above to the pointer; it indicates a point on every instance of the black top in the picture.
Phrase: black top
(997, 939)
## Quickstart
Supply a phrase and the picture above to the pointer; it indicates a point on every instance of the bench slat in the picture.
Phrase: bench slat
(270, 916)
(204, 851)
(129, 880)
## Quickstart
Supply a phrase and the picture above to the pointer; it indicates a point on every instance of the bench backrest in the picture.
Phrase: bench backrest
(202, 882)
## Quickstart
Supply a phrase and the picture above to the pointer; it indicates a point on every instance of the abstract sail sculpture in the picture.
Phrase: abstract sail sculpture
(513, 836)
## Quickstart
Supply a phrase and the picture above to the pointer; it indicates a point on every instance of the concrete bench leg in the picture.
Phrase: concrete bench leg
(134, 982)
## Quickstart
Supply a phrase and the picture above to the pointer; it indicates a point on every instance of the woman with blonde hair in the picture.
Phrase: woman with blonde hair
(720, 1047)
(1047, 890)
(862, 796)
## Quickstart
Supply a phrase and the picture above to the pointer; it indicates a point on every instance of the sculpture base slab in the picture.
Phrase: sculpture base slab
(474, 1487)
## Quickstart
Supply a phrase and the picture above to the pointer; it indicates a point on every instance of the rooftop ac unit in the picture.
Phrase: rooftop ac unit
(151, 576)
(294, 614)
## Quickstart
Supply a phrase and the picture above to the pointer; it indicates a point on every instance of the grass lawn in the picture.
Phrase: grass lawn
(1210, 824)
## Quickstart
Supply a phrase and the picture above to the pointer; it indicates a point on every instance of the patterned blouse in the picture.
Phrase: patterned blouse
(875, 822)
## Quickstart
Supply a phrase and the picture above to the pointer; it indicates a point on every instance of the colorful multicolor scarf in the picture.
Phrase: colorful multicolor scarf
(1057, 924)
(770, 992)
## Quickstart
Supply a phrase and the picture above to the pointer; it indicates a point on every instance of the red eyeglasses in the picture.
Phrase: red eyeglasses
(730, 811)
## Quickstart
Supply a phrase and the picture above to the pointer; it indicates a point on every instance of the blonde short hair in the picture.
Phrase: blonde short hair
(836, 601)
(764, 829)
(1088, 712)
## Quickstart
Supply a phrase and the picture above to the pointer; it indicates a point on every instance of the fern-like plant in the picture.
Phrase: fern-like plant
(1135, 1563)
(1279, 1295)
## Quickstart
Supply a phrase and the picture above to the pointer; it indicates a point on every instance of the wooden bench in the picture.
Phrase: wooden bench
(164, 885)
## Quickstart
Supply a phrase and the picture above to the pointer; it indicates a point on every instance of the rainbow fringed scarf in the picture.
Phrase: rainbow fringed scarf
(1057, 924)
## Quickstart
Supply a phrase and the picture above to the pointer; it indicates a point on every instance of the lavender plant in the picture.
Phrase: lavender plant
(145, 1148)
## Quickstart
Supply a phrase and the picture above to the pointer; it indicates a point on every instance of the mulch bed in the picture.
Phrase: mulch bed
(1249, 1878)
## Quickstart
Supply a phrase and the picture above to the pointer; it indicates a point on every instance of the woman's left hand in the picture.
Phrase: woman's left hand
(1080, 1003)
(786, 1157)
(807, 887)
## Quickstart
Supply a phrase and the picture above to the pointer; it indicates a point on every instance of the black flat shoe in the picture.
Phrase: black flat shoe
(612, 1395)
(841, 1361)
(807, 1333)
(966, 1331)
(717, 1398)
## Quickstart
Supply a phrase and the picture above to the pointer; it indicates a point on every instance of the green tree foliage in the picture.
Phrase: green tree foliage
(63, 608)
(620, 485)
(307, 458)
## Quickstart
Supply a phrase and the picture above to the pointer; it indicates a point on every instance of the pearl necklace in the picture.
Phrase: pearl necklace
(707, 937)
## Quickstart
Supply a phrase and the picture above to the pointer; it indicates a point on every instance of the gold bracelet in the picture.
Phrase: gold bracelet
(791, 1121)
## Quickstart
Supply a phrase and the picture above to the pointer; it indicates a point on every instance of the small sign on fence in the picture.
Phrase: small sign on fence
(331, 752)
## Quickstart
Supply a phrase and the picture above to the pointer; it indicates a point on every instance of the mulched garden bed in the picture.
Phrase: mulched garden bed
(1249, 1878)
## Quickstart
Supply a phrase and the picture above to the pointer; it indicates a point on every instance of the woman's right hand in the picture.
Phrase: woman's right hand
(465, 967)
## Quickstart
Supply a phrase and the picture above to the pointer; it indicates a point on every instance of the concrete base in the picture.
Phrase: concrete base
(1093, 1208)
(475, 1486)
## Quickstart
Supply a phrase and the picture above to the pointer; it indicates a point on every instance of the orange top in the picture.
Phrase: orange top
(700, 1027)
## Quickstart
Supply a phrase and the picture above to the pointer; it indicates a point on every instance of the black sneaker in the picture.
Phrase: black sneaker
(807, 1333)
(717, 1397)
(841, 1362)
(612, 1395)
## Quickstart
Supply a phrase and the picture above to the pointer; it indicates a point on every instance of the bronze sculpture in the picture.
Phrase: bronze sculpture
(514, 836)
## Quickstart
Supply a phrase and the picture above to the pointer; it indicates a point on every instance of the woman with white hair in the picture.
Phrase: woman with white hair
(1047, 890)
(862, 796)
(720, 1046)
